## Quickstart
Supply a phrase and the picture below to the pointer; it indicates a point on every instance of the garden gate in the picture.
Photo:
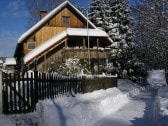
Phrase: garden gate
(20, 94)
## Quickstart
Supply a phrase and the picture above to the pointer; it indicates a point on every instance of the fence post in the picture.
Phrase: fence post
(1, 101)
(36, 86)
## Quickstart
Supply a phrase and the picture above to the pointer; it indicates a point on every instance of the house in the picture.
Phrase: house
(64, 30)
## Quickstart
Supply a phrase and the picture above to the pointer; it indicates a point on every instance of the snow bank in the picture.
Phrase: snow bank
(84, 109)
(156, 78)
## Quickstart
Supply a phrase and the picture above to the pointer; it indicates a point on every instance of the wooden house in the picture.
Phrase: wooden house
(63, 30)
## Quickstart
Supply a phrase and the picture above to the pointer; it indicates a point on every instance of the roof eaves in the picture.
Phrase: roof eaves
(46, 45)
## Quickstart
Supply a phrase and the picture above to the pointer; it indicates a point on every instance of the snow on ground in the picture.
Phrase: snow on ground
(125, 105)
(85, 109)
(137, 112)
(30, 119)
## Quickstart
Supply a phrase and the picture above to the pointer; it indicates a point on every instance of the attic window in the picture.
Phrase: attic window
(31, 43)
(65, 20)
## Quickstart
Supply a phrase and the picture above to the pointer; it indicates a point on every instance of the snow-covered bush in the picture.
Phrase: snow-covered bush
(69, 66)
(110, 69)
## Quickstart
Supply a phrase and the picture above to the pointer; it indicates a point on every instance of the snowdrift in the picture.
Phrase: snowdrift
(84, 109)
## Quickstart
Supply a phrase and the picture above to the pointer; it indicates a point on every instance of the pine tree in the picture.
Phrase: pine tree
(98, 14)
(120, 32)
(121, 49)
(114, 17)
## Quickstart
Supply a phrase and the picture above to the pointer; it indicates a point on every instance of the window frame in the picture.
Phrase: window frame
(30, 42)
(66, 20)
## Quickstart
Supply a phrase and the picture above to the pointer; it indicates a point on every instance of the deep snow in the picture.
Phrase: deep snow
(84, 109)
(126, 105)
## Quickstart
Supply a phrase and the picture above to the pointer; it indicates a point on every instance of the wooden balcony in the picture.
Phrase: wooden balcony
(85, 53)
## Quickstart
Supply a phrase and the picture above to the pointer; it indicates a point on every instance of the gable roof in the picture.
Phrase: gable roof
(49, 16)
(56, 40)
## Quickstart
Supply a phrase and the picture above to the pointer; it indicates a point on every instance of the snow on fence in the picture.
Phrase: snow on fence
(20, 94)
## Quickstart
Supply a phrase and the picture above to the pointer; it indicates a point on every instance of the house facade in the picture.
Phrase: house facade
(65, 30)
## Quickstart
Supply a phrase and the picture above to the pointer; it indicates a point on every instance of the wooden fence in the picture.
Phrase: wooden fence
(20, 94)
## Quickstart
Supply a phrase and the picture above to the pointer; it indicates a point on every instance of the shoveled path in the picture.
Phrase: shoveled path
(140, 111)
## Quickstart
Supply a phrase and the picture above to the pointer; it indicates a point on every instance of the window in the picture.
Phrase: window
(65, 20)
(31, 43)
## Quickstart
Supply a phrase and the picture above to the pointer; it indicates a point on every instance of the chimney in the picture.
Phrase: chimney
(43, 14)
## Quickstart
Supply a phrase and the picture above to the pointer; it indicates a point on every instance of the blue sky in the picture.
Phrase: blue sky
(13, 18)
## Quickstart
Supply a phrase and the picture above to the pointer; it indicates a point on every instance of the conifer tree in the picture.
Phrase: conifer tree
(98, 14)
(114, 17)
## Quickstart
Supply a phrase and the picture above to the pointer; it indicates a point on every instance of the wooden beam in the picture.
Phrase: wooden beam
(66, 44)
(84, 43)
(98, 43)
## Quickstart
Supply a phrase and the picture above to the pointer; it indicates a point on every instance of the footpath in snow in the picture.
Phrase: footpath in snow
(139, 111)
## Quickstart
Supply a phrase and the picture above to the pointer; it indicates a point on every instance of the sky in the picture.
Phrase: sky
(13, 18)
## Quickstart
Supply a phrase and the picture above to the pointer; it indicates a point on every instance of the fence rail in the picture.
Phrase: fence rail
(20, 94)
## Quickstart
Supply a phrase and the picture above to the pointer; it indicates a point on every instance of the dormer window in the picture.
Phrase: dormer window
(31, 43)
(65, 20)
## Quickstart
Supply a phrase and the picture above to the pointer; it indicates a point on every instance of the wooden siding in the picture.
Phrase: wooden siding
(54, 27)
(47, 33)
(74, 21)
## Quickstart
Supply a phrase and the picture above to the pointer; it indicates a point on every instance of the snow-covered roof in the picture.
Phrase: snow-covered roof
(10, 61)
(86, 32)
(1, 62)
(61, 36)
(48, 17)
